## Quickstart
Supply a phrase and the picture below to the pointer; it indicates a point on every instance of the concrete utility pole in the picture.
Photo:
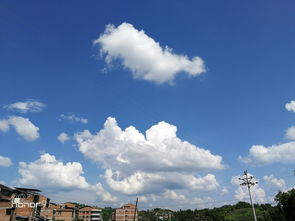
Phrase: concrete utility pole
(135, 209)
(247, 181)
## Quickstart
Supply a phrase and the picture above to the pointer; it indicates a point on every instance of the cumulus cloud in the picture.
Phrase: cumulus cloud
(63, 137)
(106, 196)
(143, 56)
(282, 153)
(224, 191)
(140, 163)
(48, 172)
(170, 194)
(142, 182)
(5, 161)
(275, 182)
(241, 193)
(23, 126)
(74, 118)
(26, 106)
(290, 106)
(290, 133)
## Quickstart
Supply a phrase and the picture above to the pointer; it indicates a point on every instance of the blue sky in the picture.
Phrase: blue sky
(237, 100)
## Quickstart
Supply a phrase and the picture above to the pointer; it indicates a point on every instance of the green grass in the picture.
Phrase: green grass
(244, 214)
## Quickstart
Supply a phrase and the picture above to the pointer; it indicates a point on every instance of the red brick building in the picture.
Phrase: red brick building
(60, 212)
(89, 213)
(126, 213)
(21, 204)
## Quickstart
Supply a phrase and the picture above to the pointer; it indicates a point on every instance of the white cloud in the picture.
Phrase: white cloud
(224, 191)
(278, 183)
(290, 133)
(142, 199)
(106, 196)
(241, 193)
(170, 194)
(290, 106)
(282, 153)
(143, 56)
(73, 118)
(5, 162)
(49, 173)
(23, 126)
(200, 203)
(63, 137)
(142, 182)
(4, 125)
(158, 160)
(26, 106)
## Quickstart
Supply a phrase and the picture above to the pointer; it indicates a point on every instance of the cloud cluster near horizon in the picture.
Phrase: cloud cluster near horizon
(47, 171)
(143, 56)
(280, 153)
(241, 193)
(158, 160)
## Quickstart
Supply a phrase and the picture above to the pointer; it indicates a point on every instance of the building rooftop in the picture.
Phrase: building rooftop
(27, 189)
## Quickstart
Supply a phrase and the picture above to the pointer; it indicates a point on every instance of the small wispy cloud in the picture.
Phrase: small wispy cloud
(63, 137)
(290, 106)
(73, 118)
(29, 105)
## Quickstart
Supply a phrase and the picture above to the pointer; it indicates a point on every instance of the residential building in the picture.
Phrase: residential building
(21, 204)
(7, 212)
(60, 212)
(127, 212)
(89, 213)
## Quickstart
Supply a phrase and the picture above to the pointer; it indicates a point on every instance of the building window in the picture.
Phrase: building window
(8, 211)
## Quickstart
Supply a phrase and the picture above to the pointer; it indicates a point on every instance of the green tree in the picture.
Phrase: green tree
(286, 202)
(107, 213)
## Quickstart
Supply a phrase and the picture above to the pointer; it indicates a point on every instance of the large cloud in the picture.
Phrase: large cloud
(144, 56)
(137, 163)
(23, 126)
(26, 106)
(49, 173)
(282, 153)
(5, 161)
